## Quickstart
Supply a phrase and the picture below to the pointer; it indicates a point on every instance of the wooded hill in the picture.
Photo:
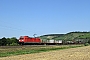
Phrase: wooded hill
(68, 36)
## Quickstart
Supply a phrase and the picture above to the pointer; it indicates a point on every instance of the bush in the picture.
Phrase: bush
(13, 44)
(86, 44)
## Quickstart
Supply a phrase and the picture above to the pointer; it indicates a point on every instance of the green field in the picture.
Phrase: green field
(19, 50)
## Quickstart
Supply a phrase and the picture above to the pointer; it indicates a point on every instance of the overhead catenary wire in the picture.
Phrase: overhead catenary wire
(25, 31)
(12, 28)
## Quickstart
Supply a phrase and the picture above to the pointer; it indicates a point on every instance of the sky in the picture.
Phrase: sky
(28, 17)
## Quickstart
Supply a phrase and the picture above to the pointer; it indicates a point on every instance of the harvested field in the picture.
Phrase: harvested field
(80, 53)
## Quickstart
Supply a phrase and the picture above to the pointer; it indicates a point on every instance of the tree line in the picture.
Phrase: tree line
(8, 41)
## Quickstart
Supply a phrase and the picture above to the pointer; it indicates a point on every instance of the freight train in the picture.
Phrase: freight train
(36, 40)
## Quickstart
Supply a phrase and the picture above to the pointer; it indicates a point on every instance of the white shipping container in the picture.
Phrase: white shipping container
(56, 41)
(51, 41)
(60, 41)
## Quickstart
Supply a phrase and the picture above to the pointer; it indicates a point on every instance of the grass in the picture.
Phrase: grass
(19, 50)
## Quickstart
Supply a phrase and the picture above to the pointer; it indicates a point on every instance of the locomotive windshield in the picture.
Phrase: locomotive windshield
(21, 38)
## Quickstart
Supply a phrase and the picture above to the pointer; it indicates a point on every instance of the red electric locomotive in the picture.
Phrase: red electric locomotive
(26, 39)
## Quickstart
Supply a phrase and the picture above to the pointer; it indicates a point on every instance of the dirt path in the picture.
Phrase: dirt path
(81, 53)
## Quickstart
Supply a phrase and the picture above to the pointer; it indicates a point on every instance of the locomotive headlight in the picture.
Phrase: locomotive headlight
(22, 40)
